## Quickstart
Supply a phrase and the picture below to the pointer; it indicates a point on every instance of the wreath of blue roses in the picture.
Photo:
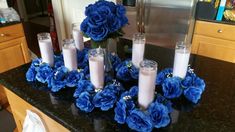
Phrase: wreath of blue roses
(126, 71)
(59, 77)
(191, 87)
(155, 116)
(87, 97)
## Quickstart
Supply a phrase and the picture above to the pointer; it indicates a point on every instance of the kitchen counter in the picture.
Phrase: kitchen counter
(215, 112)
(8, 23)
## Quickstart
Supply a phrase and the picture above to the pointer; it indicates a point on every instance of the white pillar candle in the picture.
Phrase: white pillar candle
(46, 49)
(96, 67)
(138, 46)
(147, 79)
(182, 55)
(70, 54)
(77, 36)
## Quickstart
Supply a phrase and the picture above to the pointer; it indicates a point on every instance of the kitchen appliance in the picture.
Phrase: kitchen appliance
(163, 21)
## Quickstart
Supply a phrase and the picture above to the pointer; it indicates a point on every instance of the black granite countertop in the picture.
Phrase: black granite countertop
(215, 112)
(9, 24)
(215, 21)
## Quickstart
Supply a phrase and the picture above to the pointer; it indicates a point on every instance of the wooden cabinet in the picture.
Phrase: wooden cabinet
(13, 51)
(19, 107)
(214, 40)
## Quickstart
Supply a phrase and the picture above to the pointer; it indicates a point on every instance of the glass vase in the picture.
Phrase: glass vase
(109, 46)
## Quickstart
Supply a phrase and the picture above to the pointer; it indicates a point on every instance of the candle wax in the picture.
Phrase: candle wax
(70, 58)
(137, 54)
(46, 51)
(181, 63)
(78, 39)
(96, 66)
(147, 80)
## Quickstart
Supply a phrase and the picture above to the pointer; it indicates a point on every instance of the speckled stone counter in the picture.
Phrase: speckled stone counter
(8, 24)
(215, 112)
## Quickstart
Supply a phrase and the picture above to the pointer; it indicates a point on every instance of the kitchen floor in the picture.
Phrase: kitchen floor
(7, 123)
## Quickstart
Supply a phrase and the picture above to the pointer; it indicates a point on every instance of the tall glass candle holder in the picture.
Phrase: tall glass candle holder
(138, 46)
(77, 36)
(182, 54)
(46, 49)
(96, 66)
(147, 79)
(69, 54)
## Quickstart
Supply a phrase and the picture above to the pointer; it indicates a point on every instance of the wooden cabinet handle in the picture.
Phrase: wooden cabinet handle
(219, 31)
(2, 34)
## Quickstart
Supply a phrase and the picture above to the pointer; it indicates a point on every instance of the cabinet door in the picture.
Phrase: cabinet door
(214, 48)
(13, 53)
(19, 107)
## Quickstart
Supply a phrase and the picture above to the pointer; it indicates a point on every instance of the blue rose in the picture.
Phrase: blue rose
(96, 20)
(84, 102)
(104, 9)
(187, 81)
(82, 58)
(199, 83)
(36, 63)
(83, 85)
(109, 79)
(59, 80)
(171, 87)
(105, 99)
(139, 121)
(161, 99)
(133, 91)
(115, 60)
(193, 80)
(134, 72)
(163, 75)
(124, 74)
(109, 4)
(85, 27)
(58, 64)
(120, 112)
(159, 115)
(43, 73)
(89, 9)
(98, 33)
(120, 10)
(31, 74)
(114, 23)
(73, 78)
(116, 87)
(193, 94)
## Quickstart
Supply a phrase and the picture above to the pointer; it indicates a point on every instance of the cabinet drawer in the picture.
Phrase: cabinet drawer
(223, 31)
(11, 32)
(12, 54)
(19, 107)
(214, 48)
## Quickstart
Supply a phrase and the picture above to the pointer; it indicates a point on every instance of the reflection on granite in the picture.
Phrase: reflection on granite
(215, 112)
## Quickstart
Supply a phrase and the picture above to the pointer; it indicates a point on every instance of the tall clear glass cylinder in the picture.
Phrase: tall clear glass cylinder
(96, 66)
(46, 49)
(146, 84)
(182, 55)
